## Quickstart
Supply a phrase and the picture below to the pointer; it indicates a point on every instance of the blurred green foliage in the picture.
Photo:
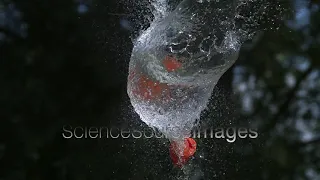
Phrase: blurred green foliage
(62, 67)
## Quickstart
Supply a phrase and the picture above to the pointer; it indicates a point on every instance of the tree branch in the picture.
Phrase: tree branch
(310, 142)
(290, 97)
(9, 33)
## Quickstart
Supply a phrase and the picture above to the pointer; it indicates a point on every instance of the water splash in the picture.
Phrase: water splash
(161, 8)
(203, 36)
(200, 35)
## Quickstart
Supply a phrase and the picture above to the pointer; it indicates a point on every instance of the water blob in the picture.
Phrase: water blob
(175, 65)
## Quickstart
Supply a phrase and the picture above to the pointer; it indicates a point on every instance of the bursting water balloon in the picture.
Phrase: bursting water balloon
(178, 60)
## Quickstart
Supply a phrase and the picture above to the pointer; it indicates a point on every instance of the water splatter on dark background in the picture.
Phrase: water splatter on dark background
(66, 63)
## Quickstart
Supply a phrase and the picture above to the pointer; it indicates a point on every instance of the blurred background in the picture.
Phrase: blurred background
(65, 62)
